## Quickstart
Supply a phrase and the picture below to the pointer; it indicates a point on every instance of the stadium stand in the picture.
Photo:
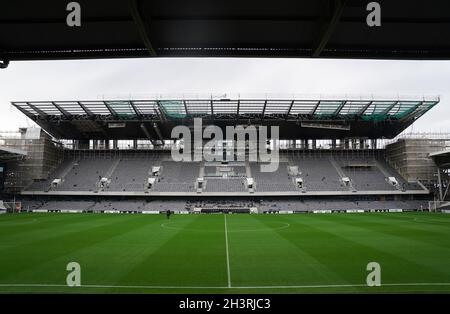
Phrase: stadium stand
(338, 205)
(272, 181)
(319, 174)
(99, 175)
(130, 175)
(85, 175)
(225, 185)
(364, 174)
(177, 176)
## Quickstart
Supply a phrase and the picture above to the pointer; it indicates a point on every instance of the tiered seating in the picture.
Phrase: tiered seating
(85, 175)
(31, 205)
(163, 205)
(177, 177)
(57, 173)
(412, 186)
(319, 174)
(225, 185)
(365, 178)
(131, 205)
(130, 175)
(272, 181)
(311, 205)
(67, 205)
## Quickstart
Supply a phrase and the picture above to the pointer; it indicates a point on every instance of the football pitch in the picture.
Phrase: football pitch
(217, 253)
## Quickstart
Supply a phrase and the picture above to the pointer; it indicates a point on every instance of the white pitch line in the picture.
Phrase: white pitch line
(234, 287)
(226, 250)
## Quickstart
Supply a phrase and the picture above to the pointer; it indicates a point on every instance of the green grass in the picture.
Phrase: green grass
(312, 253)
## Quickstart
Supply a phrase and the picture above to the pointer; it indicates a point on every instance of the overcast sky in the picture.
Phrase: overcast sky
(96, 79)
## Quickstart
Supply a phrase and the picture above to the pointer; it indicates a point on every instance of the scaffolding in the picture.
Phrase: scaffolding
(43, 155)
(411, 157)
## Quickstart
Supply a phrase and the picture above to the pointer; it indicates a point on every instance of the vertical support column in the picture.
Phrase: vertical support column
(440, 184)
(115, 144)
(82, 144)
(374, 143)
(362, 144)
(346, 143)
(333, 144)
(135, 146)
(304, 144)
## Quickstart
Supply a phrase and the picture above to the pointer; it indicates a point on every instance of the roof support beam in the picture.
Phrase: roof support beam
(338, 110)
(362, 110)
(25, 112)
(160, 112)
(264, 110)
(142, 26)
(315, 108)
(158, 132)
(136, 111)
(185, 107)
(327, 29)
(62, 110)
(212, 109)
(113, 113)
(147, 133)
(38, 110)
(289, 110)
(86, 110)
(389, 108)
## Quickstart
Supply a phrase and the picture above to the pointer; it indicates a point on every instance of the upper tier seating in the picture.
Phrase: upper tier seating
(319, 174)
(177, 177)
(130, 175)
(278, 180)
(365, 178)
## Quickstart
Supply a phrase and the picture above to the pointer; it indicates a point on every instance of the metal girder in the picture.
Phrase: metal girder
(328, 28)
(289, 110)
(160, 112)
(361, 112)
(111, 110)
(338, 110)
(158, 132)
(237, 109)
(136, 111)
(424, 111)
(62, 110)
(185, 107)
(22, 110)
(142, 26)
(86, 110)
(212, 109)
(38, 110)
(147, 133)
(315, 108)
(389, 108)
(264, 109)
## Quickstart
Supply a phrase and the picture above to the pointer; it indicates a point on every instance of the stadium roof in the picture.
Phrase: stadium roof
(411, 29)
(297, 118)
(10, 153)
(442, 158)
